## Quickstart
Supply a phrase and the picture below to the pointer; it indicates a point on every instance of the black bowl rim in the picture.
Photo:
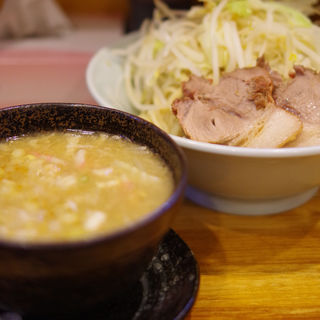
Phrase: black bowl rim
(119, 233)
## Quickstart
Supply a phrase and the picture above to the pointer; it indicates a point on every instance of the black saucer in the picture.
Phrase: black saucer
(167, 289)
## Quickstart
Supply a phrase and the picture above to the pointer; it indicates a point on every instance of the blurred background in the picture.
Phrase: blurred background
(131, 11)
(50, 43)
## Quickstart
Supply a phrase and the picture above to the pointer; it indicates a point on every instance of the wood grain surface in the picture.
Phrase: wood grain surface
(265, 267)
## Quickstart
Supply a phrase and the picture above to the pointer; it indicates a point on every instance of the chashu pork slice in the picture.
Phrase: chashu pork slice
(202, 121)
(276, 78)
(302, 95)
(197, 86)
(239, 111)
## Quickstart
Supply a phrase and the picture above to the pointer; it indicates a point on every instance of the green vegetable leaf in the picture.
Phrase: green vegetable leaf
(240, 8)
(158, 45)
(296, 18)
(84, 178)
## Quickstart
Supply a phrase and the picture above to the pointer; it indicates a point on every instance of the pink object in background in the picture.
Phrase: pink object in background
(28, 76)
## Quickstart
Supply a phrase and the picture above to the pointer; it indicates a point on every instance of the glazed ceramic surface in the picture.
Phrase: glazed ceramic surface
(73, 276)
(228, 179)
(166, 290)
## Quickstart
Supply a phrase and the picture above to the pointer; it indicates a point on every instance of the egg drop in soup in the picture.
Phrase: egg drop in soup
(61, 186)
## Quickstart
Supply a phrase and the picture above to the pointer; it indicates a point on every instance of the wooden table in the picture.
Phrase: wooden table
(265, 267)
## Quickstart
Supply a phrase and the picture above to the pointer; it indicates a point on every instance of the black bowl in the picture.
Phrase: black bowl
(69, 277)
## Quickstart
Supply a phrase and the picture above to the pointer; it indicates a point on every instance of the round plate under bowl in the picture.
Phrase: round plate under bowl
(167, 289)
(252, 207)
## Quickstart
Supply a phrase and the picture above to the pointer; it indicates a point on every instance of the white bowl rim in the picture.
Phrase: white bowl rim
(247, 152)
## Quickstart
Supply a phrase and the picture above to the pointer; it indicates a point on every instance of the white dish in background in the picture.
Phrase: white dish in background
(228, 179)
(104, 77)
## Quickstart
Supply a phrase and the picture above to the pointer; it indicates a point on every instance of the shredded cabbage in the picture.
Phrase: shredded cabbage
(207, 41)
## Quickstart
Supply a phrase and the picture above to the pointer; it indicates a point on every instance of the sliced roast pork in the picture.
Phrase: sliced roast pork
(196, 86)
(239, 111)
(276, 78)
(302, 95)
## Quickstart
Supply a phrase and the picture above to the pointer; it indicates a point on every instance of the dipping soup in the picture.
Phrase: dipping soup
(68, 185)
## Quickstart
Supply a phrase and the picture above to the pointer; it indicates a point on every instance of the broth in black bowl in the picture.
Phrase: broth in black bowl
(57, 277)
(72, 185)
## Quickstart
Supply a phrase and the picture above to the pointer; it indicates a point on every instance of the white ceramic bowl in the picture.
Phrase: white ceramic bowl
(228, 179)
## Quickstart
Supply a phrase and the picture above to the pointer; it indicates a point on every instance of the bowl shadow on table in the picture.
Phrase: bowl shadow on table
(225, 241)
(195, 231)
